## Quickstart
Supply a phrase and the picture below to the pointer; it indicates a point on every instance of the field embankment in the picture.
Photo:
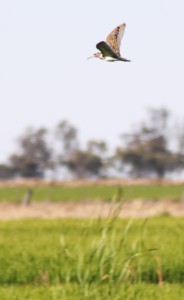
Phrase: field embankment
(86, 199)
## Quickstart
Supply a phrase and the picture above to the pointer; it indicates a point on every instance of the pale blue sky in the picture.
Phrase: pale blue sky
(45, 76)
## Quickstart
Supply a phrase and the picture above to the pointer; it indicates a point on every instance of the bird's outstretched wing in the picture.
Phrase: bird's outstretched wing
(106, 50)
(115, 37)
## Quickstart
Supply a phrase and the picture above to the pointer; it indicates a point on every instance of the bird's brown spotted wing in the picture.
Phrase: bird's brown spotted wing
(115, 37)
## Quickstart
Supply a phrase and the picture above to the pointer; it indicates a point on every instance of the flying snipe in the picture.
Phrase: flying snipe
(110, 50)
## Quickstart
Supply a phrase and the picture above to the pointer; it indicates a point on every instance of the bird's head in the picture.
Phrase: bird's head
(97, 55)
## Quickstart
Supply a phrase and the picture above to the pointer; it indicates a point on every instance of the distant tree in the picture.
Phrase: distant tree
(97, 147)
(6, 172)
(67, 136)
(146, 150)
(84, 164)
(34, 154)
(25, 167)
(100, 149)
(179, 133)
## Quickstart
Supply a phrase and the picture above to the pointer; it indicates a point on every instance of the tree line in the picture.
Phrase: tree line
(154, 147)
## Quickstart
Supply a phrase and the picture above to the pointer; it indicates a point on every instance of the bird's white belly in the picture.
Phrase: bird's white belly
(109, 58)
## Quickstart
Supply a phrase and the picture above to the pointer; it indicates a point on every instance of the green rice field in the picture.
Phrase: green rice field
(92, 259)
(81, 193)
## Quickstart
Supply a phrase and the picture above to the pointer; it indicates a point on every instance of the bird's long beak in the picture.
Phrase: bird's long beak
(90, 57)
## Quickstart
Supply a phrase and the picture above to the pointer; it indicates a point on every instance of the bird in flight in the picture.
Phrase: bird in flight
(110, 49)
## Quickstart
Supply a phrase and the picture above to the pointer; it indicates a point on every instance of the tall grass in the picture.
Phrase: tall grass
(106, 259)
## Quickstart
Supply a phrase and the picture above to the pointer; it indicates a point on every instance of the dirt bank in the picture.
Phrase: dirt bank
(99, 182)
(136, 209)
